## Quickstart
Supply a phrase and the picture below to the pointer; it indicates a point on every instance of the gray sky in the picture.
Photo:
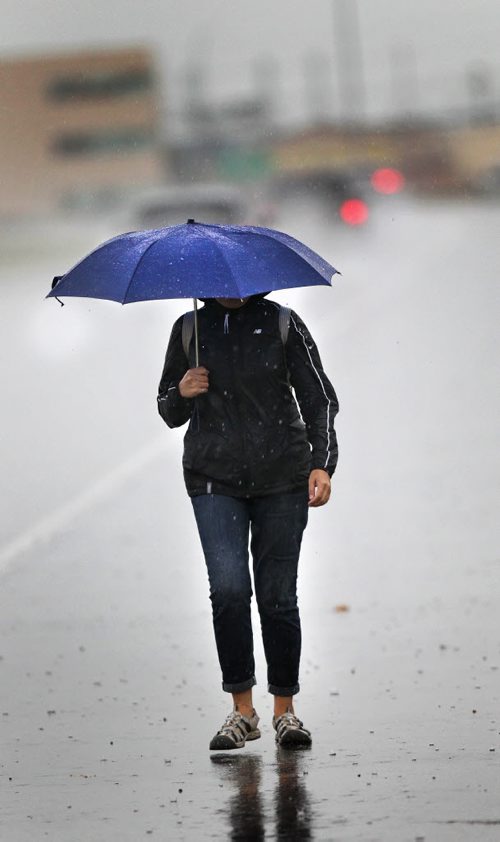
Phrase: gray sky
(229, 37)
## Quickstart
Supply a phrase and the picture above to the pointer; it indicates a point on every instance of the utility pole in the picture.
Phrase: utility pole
(317, 87)
(195, 99)
(479, 81)
(266, 85)
(349, 59)
(404, 78)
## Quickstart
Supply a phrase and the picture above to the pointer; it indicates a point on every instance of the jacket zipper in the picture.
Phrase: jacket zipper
(244, 475)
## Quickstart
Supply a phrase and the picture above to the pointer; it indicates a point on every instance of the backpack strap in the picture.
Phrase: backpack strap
(187, 331)
(284, 326)
(284, 323)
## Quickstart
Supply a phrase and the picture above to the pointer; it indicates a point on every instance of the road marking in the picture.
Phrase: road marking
(50, 525)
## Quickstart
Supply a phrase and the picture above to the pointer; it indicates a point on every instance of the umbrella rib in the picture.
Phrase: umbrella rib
(219, 250)
(136, 268)
(291, 246)
(221, 253)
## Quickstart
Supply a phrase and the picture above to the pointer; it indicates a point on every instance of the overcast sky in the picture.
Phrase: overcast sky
(230, 38)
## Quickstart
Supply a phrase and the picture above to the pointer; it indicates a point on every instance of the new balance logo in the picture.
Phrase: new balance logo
(258, 330)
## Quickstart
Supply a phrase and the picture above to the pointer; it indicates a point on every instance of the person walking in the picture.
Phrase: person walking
(253, 466)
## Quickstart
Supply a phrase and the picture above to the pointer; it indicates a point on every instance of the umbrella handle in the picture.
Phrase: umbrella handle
(196, 356)
(196, 349)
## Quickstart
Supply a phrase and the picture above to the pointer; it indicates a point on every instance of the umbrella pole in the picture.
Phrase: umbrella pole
(196, 351)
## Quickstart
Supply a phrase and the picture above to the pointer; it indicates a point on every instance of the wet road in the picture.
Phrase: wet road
(110, 685)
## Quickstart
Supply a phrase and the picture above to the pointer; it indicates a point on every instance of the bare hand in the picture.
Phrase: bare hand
(319, 487)
(194, 382)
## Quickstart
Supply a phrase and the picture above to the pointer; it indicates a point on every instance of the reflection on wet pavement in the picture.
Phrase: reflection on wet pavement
(247, 809)
(291, 798)
(243, 774)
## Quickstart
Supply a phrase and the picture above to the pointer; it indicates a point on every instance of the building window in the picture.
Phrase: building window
(100, 84)
(77, 144)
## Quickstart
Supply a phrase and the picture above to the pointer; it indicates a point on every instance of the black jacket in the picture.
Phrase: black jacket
(246, 437)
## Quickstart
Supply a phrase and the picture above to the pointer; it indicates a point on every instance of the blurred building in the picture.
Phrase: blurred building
(77, 130)
(432, 156)
(475, 154)
(356, 148)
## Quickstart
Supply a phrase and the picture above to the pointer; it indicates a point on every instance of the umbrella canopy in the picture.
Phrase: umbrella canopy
(194, 260)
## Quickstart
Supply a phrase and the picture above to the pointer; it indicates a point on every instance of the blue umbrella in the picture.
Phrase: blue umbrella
(194, 260)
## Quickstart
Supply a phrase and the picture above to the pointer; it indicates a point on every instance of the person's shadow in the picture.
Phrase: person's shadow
(248, 804)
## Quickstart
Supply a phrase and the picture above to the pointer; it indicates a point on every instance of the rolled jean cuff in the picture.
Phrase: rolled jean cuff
(241, 687)
(283, 691)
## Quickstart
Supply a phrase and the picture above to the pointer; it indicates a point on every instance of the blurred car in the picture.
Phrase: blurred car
(215, 203)
(487, 183)
(337, 194)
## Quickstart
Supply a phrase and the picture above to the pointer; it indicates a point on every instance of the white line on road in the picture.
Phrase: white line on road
(45, 529)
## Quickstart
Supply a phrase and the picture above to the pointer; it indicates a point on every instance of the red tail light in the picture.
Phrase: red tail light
(354, 212)
(387, 181)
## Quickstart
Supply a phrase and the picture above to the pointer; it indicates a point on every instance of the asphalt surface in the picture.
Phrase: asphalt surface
(110, 687)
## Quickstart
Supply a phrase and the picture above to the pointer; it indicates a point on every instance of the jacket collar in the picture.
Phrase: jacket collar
(214, 305)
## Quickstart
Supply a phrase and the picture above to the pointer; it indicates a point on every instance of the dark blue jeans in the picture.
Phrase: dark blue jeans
(276, 524)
